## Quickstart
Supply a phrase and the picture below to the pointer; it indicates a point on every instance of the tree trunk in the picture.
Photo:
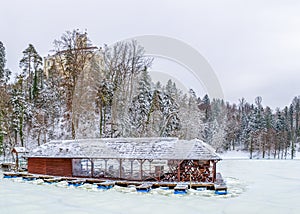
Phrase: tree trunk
(16, 137)
(293, 148)
(275, 150)
(263, 148)
(21, 129)
(38, 140)
(73, 130)
(251, 147)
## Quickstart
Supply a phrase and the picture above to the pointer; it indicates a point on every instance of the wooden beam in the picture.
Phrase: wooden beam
(178, 171)
(141, 169)
(131, 168)
(214, 171)
(105, 170)
(92, 168)
(17, 161)
(120, 168)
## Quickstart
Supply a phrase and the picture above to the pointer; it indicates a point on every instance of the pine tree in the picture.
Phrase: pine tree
(244, 133)
(48, 112)
(171, 123)
(140, 107)
(269, 132)
(217, 124)
(205, 105)
(287, 132)
(232, 127)
(292, 131)
(155, 117)
(5, 117)
(2, 68)
(191, 127)
(19, 110)
(31, 66)
(296, 107)
(104, 99)
(2, 61)
(4, 101)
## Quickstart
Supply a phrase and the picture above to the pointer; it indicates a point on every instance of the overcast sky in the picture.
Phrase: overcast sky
(253, 46)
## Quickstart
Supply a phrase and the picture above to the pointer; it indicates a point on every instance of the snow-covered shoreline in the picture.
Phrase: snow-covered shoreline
(242, 155)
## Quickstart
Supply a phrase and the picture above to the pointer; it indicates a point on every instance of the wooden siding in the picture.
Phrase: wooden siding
(50, 166)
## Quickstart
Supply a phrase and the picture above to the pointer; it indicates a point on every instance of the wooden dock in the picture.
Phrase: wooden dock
(105, 185)
(195, 186)
(52, 180)
(76, 183)
(94, 181)
(10, 175)
(169, 185)
(43, 177)
(128, 183)
(145, 187)
(181, 189)
(220, 185)
(201, 188)
(29, 177)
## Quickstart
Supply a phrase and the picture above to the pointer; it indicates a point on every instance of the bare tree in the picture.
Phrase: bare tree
(72, 52)
(123, 62)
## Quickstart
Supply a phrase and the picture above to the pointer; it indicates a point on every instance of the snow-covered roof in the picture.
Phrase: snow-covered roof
(127, 148)
(19, 149)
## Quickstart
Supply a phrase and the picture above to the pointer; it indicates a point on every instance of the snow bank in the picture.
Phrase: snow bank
(242, 155)
(229, 155)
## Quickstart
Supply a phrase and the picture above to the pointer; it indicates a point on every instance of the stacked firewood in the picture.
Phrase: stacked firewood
(191, 170)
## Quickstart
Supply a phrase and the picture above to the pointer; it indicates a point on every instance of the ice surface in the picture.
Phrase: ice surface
(255, 186)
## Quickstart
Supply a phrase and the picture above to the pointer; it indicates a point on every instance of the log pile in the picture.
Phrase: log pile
(190, 170)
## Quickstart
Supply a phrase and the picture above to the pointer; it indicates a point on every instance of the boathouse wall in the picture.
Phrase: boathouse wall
(139, 159)
(50, 166)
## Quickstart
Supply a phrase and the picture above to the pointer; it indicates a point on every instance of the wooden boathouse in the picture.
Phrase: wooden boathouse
(135, 159)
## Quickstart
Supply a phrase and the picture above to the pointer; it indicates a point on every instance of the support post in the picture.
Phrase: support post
(120, 168)
(214, 171)
(141, 169)
(105, 170)
(178, 171)
(17, 161)
(131, 168)
(92, 168)
(150, 166)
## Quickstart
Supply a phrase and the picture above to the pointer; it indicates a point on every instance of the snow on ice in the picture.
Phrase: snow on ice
(255, 186)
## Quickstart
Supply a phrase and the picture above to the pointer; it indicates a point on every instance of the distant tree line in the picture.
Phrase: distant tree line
(257, 129)
(109, 93)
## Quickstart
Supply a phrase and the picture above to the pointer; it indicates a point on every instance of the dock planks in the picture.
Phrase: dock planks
(181, 189)
(219, 186)
(105, 185)
(144, 188)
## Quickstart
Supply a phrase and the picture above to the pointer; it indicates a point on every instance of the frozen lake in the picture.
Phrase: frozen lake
(255, 186)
